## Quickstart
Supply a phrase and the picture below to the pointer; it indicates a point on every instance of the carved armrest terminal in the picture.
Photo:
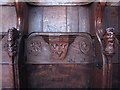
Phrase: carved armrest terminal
(109, 38)
(13, 35)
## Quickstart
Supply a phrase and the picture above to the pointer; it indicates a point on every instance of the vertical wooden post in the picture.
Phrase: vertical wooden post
(107, 46)
(109, 50)
(22, 17)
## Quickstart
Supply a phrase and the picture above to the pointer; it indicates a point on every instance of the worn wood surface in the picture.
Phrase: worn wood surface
(54, 19)
(97, 82)
(84, 17)
(72, 19)
(59, 76)
(8, 18)
(35, 19)
(59, 19)
(7, 69)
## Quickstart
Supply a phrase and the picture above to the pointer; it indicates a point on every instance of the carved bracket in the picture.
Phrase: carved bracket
(13, 35)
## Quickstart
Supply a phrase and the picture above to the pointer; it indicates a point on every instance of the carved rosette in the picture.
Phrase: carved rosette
(84, 46)
(34, 47)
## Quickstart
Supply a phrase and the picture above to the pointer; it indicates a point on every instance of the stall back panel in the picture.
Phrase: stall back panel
(59, 19)
(60, 60)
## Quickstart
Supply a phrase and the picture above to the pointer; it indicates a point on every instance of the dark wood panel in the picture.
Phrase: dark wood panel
(98, 73)
(111, 18)
(59, 76)
(116, 76)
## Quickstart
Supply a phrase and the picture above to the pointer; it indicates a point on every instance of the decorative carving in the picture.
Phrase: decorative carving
(58, 46)
(80, 50)
(34, 47)
(109, 38)
(13, 35)
(109, 50)
(59, 50)
(49, 48)
(84, 46)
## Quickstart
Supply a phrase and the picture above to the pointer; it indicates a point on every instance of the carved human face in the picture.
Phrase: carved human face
(58, 50)
(110, 35)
